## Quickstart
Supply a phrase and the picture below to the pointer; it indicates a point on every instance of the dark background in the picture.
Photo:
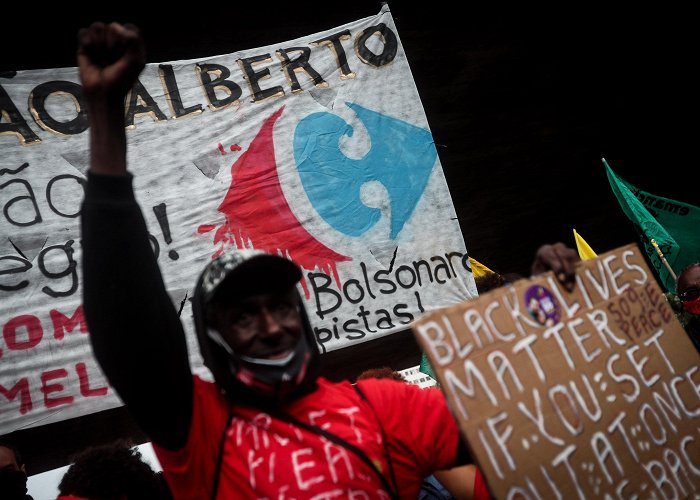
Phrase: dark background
(523, 103)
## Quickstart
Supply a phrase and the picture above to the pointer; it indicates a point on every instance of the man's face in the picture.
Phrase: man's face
(688, 286)
(8, 459)
(265, 326)
(13, 479)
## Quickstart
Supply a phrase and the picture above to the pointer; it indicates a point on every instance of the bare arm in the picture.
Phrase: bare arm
(459, 481)
(135, 332)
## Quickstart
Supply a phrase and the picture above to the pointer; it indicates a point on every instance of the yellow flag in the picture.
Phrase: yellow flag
(478, 269)
(584, 250)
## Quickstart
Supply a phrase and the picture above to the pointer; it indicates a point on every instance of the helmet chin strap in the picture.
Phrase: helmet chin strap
(275, 377)
(219, 340)
(269, 362)
(216, 337)
(266, 376)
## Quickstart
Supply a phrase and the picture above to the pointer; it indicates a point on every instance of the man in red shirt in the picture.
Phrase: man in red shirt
(268, 426)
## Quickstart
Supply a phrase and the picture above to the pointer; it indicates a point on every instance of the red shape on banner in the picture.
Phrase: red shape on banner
(258, 215)
(48, 388)
(33, 328)
(85, 389)
(63, 323)
(21, 388)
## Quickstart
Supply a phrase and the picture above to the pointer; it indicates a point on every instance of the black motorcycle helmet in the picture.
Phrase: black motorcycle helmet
(239, 274)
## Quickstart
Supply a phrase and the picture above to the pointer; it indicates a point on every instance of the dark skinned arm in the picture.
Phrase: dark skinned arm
(135, 332)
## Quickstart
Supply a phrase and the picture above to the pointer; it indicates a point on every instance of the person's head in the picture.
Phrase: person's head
(253, 331)
(382, 372)
(491, 280)
(113, 472)
(13, 476)
(688, 288)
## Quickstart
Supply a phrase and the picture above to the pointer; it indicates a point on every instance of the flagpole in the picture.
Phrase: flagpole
(663, 259)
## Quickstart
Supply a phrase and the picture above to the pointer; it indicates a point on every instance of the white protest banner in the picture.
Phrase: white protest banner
(317, 148)
(590, 394)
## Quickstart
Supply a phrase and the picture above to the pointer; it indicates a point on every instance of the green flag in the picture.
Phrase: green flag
(673, 224)
(426, 367)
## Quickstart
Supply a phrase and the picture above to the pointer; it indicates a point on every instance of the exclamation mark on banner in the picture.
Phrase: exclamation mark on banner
(162, 217)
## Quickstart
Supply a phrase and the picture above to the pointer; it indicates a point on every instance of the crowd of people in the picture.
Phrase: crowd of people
(268, 425)
(112, 471)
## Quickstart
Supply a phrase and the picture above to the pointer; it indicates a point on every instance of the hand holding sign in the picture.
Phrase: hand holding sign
(559, 259)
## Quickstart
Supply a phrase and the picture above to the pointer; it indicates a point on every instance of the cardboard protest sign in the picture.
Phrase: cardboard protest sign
(590, 394)
(316, 148)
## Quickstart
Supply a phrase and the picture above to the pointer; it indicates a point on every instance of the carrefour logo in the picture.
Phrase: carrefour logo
(401, 158)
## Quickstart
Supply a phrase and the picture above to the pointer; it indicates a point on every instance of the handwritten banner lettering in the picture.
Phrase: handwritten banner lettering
(590, 394)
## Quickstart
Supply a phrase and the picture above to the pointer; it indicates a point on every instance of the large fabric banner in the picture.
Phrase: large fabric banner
(317, 148)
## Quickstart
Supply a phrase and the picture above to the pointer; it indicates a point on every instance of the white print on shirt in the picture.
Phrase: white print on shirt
(349, 412)
(299, 463)
(313, 415)
(294, 462)
(333, 455)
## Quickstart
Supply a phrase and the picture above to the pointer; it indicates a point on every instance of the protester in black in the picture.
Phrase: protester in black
(13, 474)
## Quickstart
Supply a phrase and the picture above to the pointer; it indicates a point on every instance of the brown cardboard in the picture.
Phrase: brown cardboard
(600, 396)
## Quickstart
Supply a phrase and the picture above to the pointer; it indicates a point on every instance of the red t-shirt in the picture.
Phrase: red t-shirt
(267, 457)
